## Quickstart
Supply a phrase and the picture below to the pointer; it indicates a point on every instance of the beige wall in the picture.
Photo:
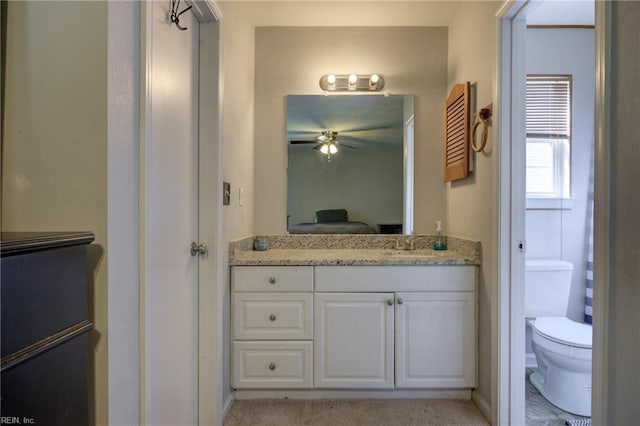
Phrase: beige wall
(623, 369)
(472, 202)
(290, 60)
(55, 132)
(237, 146)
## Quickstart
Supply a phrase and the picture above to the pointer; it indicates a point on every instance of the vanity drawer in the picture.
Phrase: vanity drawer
(272, 365)
(272, 278)
(394, 278)
(276, 316)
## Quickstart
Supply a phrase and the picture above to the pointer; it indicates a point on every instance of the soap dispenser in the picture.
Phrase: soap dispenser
(440, 243)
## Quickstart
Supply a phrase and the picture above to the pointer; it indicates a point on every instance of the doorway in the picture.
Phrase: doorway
(513, 205)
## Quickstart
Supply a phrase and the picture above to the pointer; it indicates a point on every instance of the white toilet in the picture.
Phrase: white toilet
(562, 347)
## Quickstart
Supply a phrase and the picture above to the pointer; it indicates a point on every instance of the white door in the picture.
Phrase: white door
(435, 340)
(170, 214)
(353, 340)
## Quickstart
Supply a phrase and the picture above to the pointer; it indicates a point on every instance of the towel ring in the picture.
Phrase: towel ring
(480, 119)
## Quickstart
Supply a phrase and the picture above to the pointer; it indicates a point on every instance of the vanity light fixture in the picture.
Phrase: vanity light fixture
(352, 82)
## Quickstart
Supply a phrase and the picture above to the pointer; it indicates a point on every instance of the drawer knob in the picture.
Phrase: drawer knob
(272, 366)
(390, 302)
(272, 317)
(400, 301)
(272, 280)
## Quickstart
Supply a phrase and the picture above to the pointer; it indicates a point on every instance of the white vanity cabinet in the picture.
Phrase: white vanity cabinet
(272, 323)
(390, 327)
(354, 340)
(418, 322)
(435, 340)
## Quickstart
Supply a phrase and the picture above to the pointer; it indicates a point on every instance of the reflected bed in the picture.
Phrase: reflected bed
(332, 222)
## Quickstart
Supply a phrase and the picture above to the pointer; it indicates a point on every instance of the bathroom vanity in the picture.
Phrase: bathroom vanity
(372, 318)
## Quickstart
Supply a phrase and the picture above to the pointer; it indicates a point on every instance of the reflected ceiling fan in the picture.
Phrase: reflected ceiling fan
(327, 143)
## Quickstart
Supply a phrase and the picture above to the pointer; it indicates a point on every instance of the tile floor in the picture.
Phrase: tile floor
(539, 411)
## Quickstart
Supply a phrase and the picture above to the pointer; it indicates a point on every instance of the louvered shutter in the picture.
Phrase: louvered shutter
(456, 133)
(548, 102)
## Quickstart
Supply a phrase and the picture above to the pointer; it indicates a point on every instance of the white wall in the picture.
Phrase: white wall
(55, 142)
(123, 164)
(472, 202)
(290, 60)
(557, 233)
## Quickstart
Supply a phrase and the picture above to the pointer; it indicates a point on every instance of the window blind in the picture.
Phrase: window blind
(548, 106)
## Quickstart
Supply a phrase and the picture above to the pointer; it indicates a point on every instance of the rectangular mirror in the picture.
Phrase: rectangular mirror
(350, 164)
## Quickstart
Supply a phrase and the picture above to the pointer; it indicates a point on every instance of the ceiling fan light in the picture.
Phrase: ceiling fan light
(332, 148)
(324, 149)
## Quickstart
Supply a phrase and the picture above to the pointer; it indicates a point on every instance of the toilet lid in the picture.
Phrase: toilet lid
(564, 330)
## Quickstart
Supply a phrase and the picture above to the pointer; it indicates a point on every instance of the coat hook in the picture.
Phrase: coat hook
(175, 15)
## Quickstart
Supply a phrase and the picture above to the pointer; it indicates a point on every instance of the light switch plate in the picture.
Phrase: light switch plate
(226, 193)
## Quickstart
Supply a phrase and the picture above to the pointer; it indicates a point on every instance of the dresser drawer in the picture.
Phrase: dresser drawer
(275, 316)
(272, 278)
(272, 365)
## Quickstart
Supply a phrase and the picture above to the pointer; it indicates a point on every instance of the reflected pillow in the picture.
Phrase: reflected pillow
(335, 215)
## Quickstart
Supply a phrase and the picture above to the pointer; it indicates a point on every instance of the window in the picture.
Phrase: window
(548, 136)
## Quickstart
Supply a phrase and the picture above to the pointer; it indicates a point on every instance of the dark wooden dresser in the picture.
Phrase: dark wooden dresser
(44, 328)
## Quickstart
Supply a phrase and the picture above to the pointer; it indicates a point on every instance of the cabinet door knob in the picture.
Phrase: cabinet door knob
(272, 366)
(272, 317)
(272, 280)
(400, 301)
(390, 302)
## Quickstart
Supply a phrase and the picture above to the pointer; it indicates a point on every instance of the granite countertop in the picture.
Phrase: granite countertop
(349, 257)
(349, 251)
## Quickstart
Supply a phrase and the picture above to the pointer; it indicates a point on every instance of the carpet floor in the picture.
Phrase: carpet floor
(366, 412)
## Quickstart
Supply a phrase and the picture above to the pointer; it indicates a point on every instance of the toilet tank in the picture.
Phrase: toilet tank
(547, 283)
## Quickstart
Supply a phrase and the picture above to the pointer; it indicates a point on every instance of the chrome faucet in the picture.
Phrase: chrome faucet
(408, 244)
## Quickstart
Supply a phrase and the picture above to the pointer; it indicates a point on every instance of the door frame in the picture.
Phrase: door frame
(210, 225)
(509, 355)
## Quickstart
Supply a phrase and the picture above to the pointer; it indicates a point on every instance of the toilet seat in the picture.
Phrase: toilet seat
(564, 331)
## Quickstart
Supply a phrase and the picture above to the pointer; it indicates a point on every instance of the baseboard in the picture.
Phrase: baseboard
(228, 403)
(353, 394)
(482, 404)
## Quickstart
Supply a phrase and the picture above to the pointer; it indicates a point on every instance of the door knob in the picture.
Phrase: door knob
(198, 248)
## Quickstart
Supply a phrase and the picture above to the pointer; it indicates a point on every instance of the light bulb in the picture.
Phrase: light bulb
(331, 79)
(333, 149)
(374, 79)
(353, 79)
(324, 149)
